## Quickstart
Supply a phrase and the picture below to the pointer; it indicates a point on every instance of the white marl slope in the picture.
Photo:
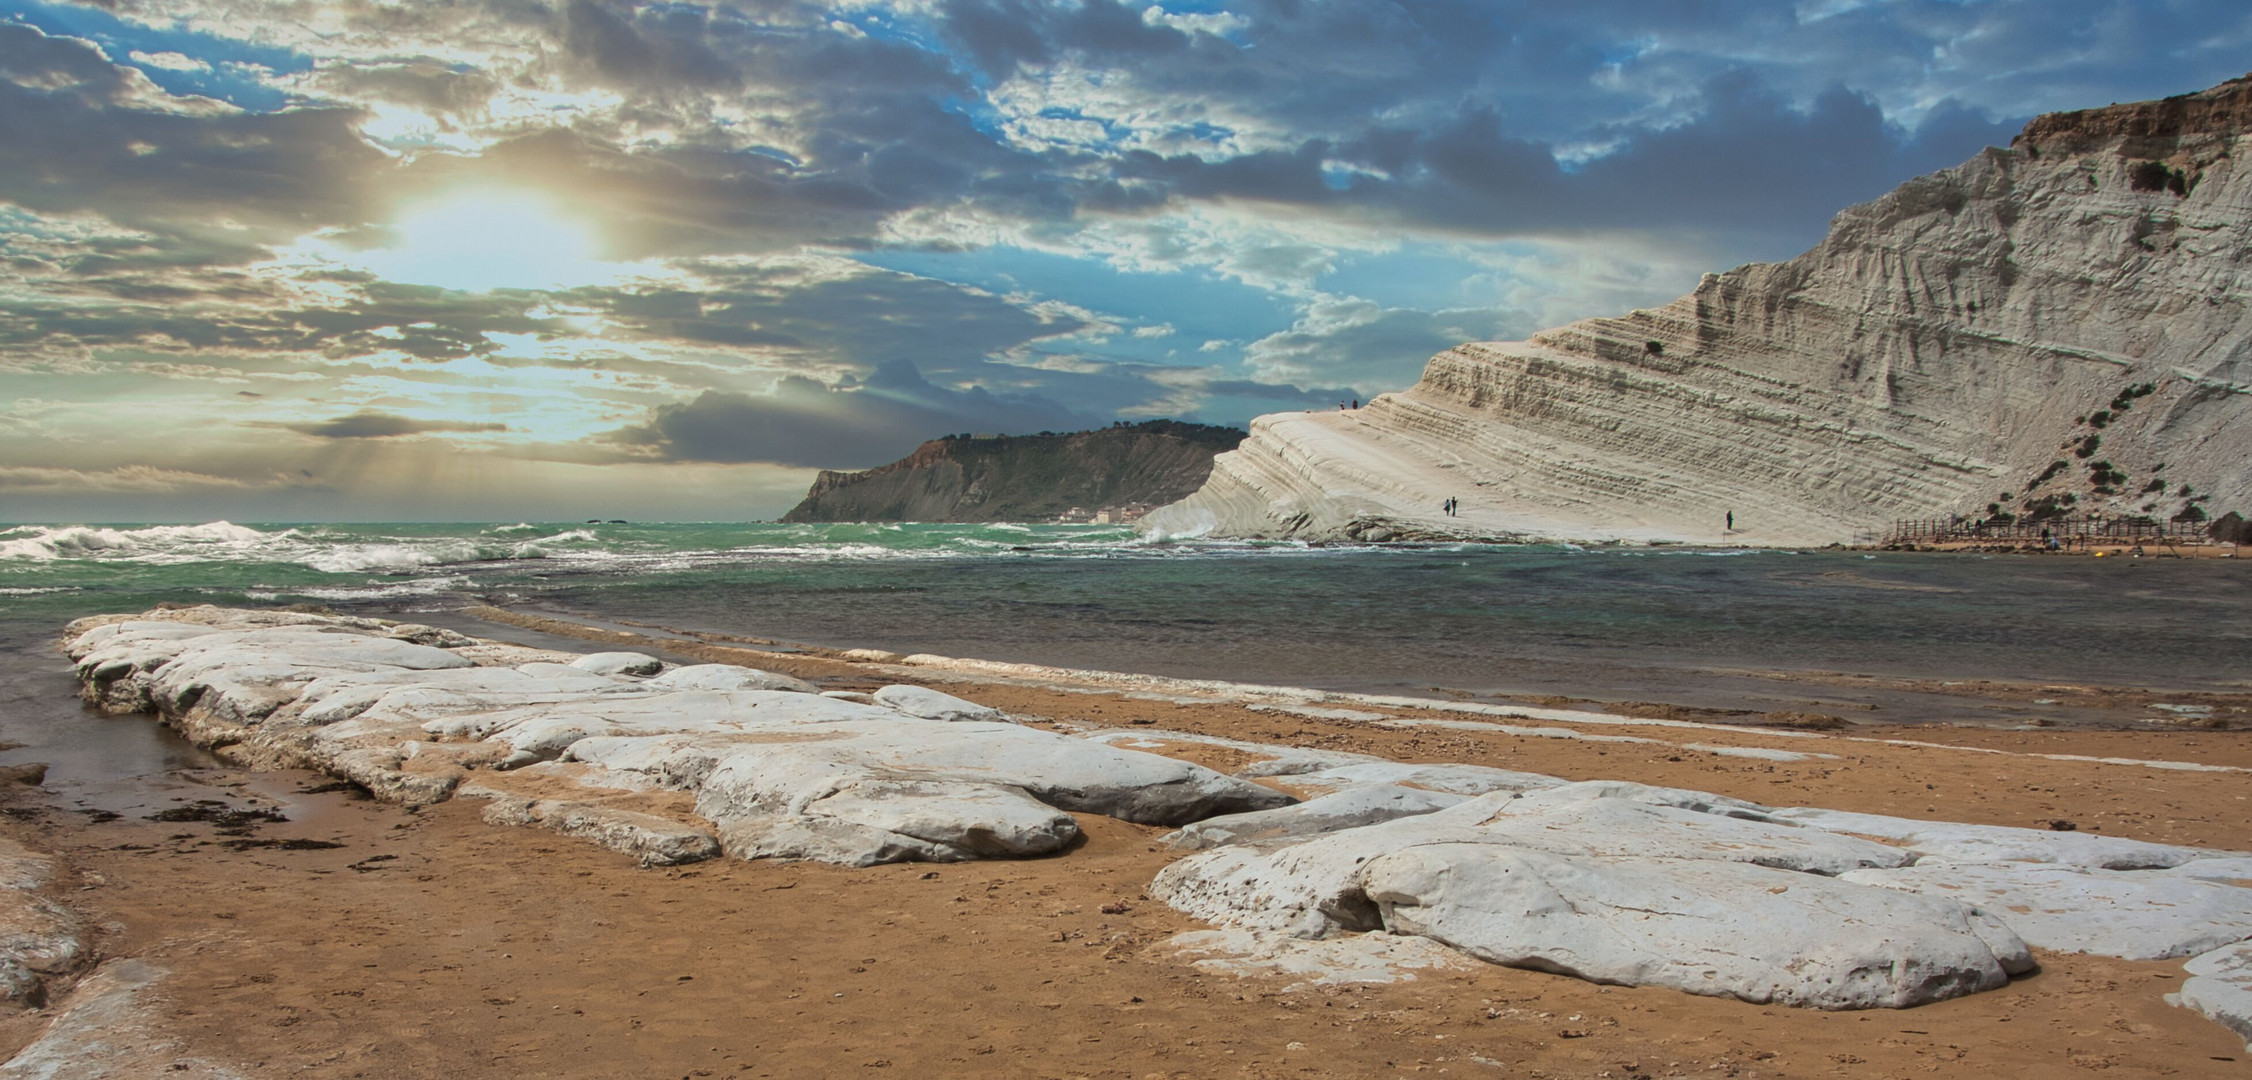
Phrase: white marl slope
(1942, 345)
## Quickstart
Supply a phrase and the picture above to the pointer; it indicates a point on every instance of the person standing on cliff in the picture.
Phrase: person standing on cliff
(1731, 521)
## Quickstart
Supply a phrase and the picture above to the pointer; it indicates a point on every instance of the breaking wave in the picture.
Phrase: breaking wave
(155, 543)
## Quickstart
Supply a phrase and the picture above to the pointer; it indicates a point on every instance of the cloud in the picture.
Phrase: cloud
(129, 479)
(426, 84)
(1323, 195)
(85, 134)
(369, 424)
(1360, 344)
(855, 426)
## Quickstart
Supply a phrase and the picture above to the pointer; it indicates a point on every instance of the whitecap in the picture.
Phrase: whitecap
(155, 543)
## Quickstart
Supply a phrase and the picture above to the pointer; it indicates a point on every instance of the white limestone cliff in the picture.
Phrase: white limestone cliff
(1942, 346)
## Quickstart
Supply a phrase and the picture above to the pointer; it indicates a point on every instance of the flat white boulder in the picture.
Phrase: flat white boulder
(874, 820)
(933, 705)
(1614, 889)
(2231, 869)
(1453, 779)
(2001, 843)
(1313, 888)
(2220, 986)
(239, 675)
(1703, 802)
(619, 663)
(674, 713)
(781, 770)
(2133, 915)
(1348, 809)
(1066, 773)
(331, 698)
(1625, 827)
(1713, 928)
(728, 677)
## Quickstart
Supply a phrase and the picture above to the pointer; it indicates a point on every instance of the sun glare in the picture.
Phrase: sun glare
(480, 240)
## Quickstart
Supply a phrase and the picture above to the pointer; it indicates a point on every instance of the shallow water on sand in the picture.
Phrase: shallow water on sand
(1719, 629)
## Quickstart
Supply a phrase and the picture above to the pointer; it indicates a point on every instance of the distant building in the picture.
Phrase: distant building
(1120, 515)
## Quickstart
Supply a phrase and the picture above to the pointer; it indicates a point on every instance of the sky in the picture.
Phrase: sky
(474, 260)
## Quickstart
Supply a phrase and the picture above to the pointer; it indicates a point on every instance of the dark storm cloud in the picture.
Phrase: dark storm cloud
(368, 424)
(1749, 164)
(83, 134)
(807, 423)
(1446, 114)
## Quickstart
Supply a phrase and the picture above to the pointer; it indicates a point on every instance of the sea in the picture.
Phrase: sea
(1869, 636)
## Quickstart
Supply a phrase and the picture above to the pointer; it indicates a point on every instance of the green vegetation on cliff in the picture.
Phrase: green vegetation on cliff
(1039, 477)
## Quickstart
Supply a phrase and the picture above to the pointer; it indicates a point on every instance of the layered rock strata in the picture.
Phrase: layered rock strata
(2060, 326)
(1611, 881)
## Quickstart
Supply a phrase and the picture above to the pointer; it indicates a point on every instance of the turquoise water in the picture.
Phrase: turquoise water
(1611, 623)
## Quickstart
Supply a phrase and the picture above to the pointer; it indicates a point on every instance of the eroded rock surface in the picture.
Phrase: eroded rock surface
(39, 939)
(1616, 889)
(1707, 927)
(112, 1029)
(2130, 914)
(2220, 986)
(774, 768)
(1606, 880)
(2000, 843)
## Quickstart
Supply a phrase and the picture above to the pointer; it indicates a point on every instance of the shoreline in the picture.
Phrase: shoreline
(2209, 709)
(1023, 968)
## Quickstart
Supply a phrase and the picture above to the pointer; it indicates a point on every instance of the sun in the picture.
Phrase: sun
(484, 239)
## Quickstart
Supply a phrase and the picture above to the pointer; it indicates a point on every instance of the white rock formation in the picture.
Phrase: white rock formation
(728, 677)
(1955, 842)
(1648, 894)
(1713, 928)
(1608, 880)
(619, 663)
(781, 773)
(1943, 345)
(1351, 808)
(2130, 914)
(2220, 986)
(932, 704)
(113, 1029)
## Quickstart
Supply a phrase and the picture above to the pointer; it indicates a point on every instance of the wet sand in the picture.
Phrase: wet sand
(431, 944)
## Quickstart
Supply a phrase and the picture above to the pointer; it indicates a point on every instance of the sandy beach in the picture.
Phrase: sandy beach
(431, 943)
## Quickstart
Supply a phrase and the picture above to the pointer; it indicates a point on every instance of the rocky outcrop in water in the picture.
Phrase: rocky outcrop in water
(2057, 326)
(966, 478)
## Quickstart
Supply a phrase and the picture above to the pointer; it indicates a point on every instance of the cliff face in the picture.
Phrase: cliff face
(2084, 289)
(1023, 477)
